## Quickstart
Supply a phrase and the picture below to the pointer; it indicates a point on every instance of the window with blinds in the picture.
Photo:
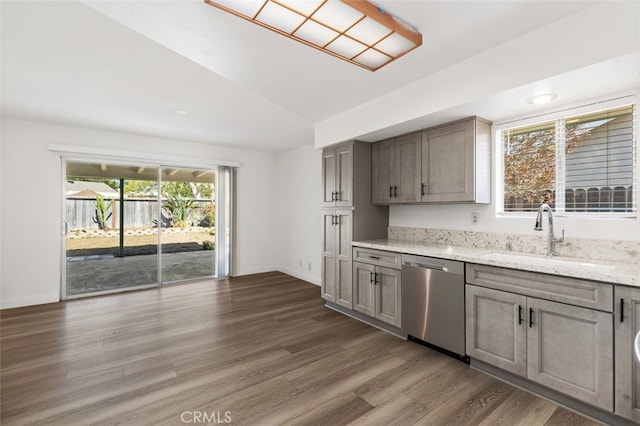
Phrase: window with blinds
(577, 164)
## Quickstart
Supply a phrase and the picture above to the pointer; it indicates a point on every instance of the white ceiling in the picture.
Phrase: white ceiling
(129, 65)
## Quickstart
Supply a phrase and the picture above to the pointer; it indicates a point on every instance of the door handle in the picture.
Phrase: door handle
(519, 314)
(530, 317)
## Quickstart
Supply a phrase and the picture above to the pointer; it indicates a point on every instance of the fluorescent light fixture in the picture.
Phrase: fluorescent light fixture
(353, 30)
(542, 99)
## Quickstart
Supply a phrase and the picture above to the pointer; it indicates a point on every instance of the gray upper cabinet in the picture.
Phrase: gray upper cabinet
(337, 176)
(627, 324)
(456, 162)
(396, 170)
(445, 164)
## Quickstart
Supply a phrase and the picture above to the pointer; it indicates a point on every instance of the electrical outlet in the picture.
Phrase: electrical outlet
(475, 218)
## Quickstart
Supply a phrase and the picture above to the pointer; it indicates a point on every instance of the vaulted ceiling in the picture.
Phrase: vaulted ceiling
(129, 65)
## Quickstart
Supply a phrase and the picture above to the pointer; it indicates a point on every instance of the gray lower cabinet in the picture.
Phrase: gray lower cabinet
(563, 347)
(627, 324)
(377, 289)
(336, 256)
(496, 333)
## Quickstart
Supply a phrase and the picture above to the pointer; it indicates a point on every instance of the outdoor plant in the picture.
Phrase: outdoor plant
(207, 245)
(102, 217)
(208, 216)
(179, 208)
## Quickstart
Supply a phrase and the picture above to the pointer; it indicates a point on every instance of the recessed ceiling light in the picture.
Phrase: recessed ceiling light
(542, 99)
(182, 112)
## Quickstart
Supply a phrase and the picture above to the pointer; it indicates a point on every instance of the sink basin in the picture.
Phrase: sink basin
(533, 259)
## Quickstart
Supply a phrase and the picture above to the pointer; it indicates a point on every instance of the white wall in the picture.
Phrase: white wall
(299, 193)
(31, 240)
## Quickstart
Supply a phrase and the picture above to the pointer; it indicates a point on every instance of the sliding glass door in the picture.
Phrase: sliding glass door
(188, 217)
(111, 235)
(136, 225)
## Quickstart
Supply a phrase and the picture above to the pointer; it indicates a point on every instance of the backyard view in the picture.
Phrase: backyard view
(114, 214)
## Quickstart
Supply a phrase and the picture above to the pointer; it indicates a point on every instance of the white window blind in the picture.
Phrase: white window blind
(582, 164)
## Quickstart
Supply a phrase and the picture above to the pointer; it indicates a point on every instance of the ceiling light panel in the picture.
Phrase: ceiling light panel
(316, 33)
(280, 17)
(337, 15)
(372, 59)
(353, 30)
(347, 47)
(395, 45)
(245, 7)
(304, 7)
(368, 31)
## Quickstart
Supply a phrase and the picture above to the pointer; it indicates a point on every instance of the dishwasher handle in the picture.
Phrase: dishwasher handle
(426, 266)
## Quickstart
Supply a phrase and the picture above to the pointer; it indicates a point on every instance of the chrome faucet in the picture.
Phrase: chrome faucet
(551, 239)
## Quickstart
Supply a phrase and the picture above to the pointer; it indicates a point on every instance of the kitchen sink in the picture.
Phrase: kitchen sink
(533, 259)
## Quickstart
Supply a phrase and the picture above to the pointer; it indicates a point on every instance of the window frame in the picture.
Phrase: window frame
(555, 115)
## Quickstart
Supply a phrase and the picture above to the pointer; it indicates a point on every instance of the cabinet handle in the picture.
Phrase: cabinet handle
(395, 191)
(333, 195)
(337, 220)
(621, 310)
(391, 192)
(519, 314)
(530, 317)
(372, 277)
(375, 278)
(422, 191)
(337, 195)
(374, 257)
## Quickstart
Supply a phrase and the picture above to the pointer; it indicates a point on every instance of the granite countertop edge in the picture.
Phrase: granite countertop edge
(608, 272)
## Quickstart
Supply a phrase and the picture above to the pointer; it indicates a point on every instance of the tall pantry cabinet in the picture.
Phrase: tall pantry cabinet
(347, 215)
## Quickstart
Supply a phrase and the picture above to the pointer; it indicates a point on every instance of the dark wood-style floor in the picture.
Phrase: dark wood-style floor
(262, 348)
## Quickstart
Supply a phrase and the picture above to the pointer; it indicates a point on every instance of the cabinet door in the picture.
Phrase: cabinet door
(343, 288)
(627, 324)
(329, 255)
(448, 163)
(407, 181)
(388, 295)
(329, 172)
(344, 175)
(496, 328)
(363, 294)
(382, 160)
(570, 349)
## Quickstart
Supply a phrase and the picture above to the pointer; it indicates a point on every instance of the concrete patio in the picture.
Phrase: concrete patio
(88, 274)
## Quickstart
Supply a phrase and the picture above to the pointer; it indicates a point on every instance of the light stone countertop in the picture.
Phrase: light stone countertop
(595, 270)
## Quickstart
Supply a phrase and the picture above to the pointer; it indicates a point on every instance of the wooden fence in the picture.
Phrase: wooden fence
(617, 199)
(138, 213)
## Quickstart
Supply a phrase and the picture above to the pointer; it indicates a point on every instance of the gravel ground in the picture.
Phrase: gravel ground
(138, 244)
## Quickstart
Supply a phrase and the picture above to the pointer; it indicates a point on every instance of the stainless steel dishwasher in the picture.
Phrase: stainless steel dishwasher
(433, 302)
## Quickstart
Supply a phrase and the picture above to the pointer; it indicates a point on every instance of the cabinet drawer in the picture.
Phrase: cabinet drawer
(377, 257)
(573, 291)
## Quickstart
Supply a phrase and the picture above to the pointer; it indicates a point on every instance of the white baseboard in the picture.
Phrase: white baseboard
(305, 277)
(17, 302)
(252, 271)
